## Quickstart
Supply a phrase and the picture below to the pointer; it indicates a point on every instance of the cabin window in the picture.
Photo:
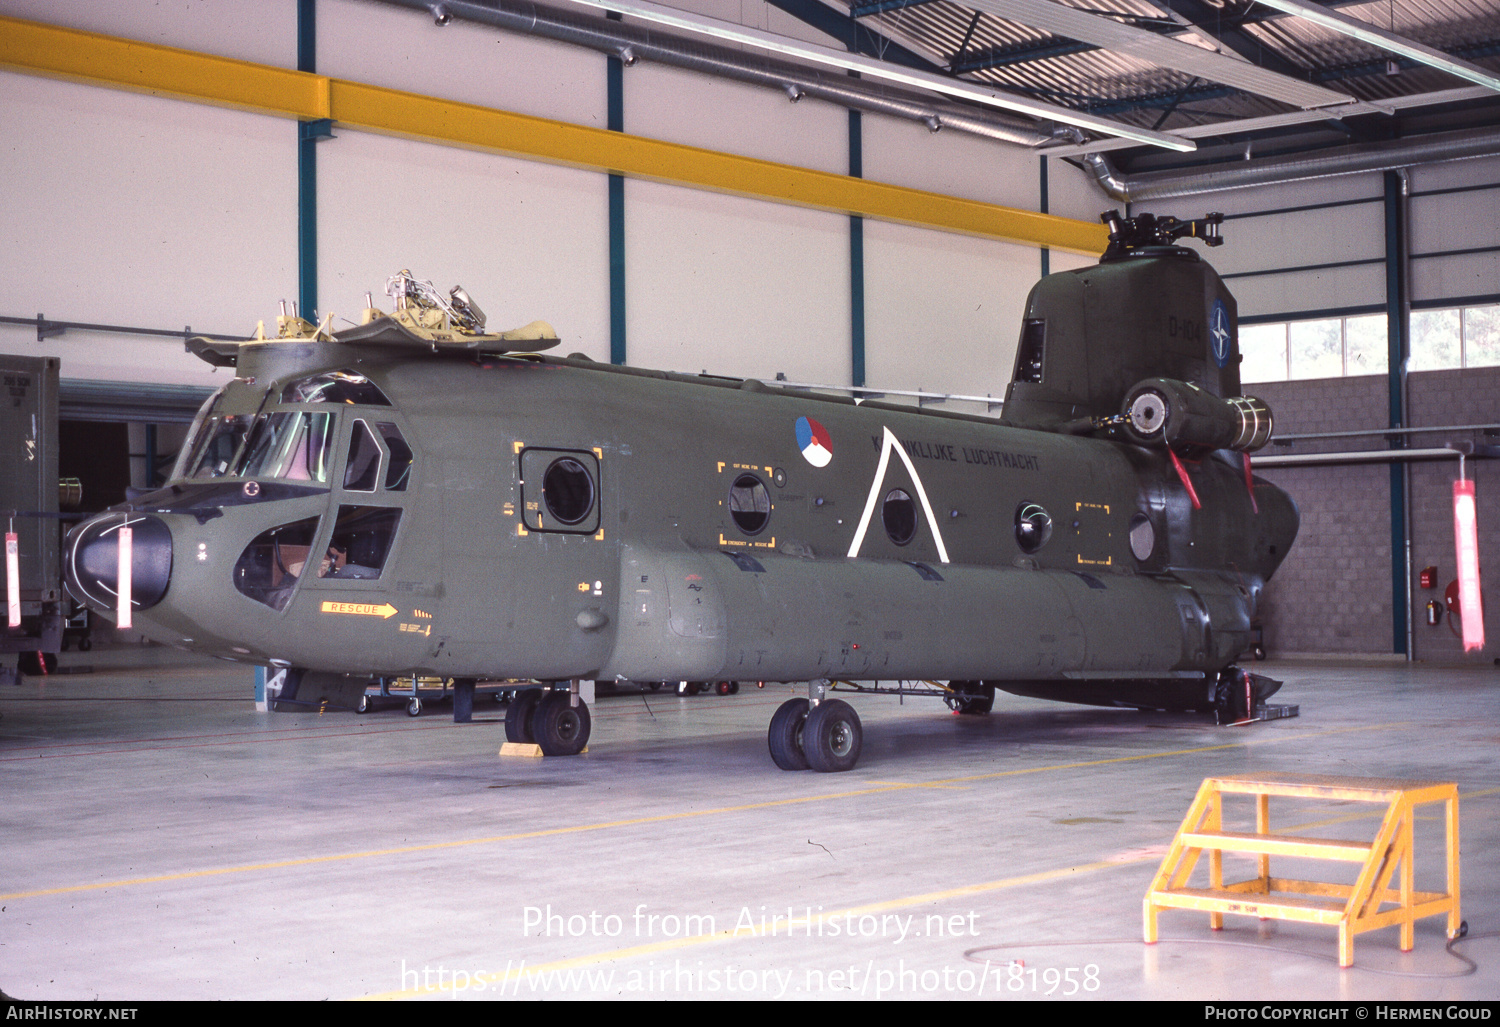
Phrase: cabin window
(294, 445)
(272, 563)
(1030, 351)
(361, 541)
(1033, 527)
(899, 514)
(559, 490)
(334, 387)
(568, 490)
(1142, 537)
(749, 504)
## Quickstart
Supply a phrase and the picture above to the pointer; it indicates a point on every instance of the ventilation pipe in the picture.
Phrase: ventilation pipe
(619, 38)
(1345, 160)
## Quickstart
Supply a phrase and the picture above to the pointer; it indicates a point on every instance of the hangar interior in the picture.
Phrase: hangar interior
(755, 237)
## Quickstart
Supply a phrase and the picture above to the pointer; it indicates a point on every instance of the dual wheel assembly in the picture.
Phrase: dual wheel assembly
(550, 719)
(825, 737)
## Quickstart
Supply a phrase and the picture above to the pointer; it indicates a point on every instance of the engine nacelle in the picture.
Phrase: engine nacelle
(1161, 411)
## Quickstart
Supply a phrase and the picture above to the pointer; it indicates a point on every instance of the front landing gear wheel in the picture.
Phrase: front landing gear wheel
(832, 736)
(518, 715)
(559, 727)
(785, 735)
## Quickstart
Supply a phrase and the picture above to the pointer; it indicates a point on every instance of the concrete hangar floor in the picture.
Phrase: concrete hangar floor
(162, 840)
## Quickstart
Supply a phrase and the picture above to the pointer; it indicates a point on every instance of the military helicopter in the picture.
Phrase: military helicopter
(417, 496)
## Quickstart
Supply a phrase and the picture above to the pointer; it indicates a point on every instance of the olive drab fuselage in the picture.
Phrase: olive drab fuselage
(377, 511)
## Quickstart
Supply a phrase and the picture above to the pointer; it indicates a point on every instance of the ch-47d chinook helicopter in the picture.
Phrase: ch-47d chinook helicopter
(415, 496)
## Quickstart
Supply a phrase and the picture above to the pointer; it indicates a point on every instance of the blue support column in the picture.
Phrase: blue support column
(1396, 338)
(615, 83)
(308, 133)
(856, 260)
(1042, 208)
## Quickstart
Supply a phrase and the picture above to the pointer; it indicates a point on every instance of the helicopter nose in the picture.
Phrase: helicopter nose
(93, 560)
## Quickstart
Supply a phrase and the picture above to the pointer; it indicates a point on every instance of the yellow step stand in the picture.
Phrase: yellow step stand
(1370, 903)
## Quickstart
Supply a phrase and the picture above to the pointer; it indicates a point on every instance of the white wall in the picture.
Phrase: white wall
(136, 210)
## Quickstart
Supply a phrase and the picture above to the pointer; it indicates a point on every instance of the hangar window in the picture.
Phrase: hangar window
(1333, 347)
(289, 444)
(334, 387)
(1033, 527)
(361, 541)
(899, 514)
(749, 504)
(271, 564)
(568, 490)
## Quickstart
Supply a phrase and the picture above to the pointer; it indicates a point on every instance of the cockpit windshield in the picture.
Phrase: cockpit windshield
(292, 444)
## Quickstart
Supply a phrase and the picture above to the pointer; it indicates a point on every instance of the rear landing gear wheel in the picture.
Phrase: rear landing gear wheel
(785, 735)
(518, 715)
(559, 727)
(971, 697)
(832, 736)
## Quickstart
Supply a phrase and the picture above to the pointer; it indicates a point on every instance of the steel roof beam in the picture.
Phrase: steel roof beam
(1388, 41)
(857, 38)
(1161, 50)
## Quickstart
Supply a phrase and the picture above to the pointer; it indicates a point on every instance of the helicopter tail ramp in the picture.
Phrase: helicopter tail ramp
(29, 506)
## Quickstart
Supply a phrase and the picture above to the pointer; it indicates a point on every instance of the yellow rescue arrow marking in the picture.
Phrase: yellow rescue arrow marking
(383, 611)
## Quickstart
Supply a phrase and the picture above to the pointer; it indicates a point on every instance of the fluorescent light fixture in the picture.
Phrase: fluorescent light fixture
(872, 68)
(1377, 37)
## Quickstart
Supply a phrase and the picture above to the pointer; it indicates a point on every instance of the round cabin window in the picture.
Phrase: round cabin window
(749, 504)
(1033, 527)
(900, 516)
(568, 490)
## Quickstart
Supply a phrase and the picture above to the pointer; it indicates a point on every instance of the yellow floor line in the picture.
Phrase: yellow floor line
(493, 981)
(660, 818)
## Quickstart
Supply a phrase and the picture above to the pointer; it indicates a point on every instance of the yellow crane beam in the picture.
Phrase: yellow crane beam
(49, 50)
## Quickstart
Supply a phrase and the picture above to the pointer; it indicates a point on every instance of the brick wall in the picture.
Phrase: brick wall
(1334, 592)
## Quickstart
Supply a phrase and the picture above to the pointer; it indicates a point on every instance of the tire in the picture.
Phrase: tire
(559, 727)
(785, 735)
(85, 644)
(36, 664)
(722, 687)
(518, 715)
(832, 736)
(734, 688)
(414, 707)
(974, 698)
(363, 705)
(1258, 651)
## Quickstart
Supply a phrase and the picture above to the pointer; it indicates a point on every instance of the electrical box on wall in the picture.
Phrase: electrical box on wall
(1428, 577)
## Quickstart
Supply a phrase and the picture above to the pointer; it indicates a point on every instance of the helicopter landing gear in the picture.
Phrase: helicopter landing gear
(557, 720)
(824, 735)
(970, 697)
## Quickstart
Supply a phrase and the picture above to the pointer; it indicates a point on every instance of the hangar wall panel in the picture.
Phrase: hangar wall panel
(1333, 594)
(718, 114)
(905, 153)
(1443, 221)
(943, 311)
(399, 48)
(247, 30)
(129, 209)
(735, 286)
(527, 241)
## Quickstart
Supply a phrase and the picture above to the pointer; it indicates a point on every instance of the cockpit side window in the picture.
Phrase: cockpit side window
(361, 541)
(363, 466)
(398, 470)
(334, 387)
(219, 430)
